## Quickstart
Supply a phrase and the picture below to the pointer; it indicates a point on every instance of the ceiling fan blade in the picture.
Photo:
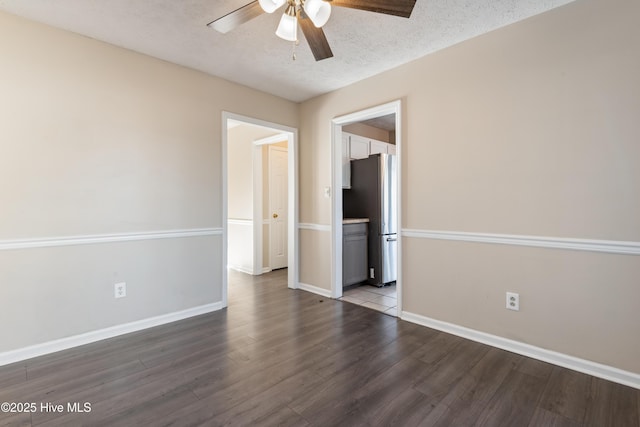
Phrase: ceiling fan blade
(236, 18)
(401, 8)
(315, 37)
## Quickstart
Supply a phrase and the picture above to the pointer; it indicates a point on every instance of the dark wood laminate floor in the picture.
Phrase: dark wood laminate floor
(284, 357)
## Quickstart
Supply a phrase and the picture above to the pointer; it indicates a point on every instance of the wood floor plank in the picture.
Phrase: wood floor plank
(22, 419)
(112, 397)
(543, 418)
(152, 410)
(343, 411)
(567, 393)
(46, 388)
(611, 404)
(262, 409)
(599, 404)
(437, 346)
(339, 389)
(342, 353)
(12, 374)
(624, 408)
(407, 409)
(468, 398)
(378, 398)
(514, 403)
(449, 370)
(535, 368)
(209, 346)
(280, 333)
(133, 396)
(246, 383)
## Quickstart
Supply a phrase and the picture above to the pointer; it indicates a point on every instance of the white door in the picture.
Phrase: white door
(278, 207)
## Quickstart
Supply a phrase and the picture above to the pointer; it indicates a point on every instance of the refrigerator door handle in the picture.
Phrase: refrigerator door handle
(392, 239)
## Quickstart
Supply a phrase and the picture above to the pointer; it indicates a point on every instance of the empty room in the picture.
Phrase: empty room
(320, 213)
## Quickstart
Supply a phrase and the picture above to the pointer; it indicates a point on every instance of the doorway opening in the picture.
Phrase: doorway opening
(366, 208)
(260, 204)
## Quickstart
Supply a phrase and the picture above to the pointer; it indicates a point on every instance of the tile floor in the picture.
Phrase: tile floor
(381, 299)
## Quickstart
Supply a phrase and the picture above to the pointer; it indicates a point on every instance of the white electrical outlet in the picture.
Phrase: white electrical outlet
(120, 290)
(513, 301)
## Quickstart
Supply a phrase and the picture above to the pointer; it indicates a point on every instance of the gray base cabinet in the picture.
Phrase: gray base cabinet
(354, 253)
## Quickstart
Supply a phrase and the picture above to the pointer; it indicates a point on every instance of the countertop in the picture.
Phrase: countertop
(354, 220)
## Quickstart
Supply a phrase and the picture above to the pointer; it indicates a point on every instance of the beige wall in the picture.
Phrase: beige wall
(315, 258)
(529, 130)
(96, 139)
(240, 171)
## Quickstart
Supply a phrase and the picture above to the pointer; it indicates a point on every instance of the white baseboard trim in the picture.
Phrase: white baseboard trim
(314, 289)
(241, 269)
(92, 239)
(25, 353)
(247, 271)
(606, 372)
(606, 246)
(315, 227)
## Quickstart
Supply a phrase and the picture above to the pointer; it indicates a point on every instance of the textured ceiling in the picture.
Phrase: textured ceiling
(363, 43)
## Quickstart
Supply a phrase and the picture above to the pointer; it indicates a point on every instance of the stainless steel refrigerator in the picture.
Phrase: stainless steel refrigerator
(373, 195)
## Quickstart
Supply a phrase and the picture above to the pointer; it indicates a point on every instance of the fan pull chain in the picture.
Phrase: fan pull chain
(293, 50)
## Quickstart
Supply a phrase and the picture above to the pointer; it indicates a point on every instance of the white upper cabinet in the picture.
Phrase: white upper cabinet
(359, 147)
(376, 147)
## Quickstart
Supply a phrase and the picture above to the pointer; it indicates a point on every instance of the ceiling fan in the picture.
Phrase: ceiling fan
(311, 15)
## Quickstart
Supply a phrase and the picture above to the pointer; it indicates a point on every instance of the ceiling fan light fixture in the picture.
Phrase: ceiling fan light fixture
(318, 11)
(310, 15)
(270, 6)
(288, 27)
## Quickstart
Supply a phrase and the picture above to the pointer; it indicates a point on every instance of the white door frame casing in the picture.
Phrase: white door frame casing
(394, 107)
(291, 135)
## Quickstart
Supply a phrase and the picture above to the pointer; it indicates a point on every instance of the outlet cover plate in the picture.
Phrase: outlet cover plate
(120, 290)
(513, 301)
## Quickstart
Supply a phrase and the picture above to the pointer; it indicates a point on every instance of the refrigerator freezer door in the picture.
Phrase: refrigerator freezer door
(389, 245)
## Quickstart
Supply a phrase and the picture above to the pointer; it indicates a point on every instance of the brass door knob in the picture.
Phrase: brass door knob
(275, 215)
